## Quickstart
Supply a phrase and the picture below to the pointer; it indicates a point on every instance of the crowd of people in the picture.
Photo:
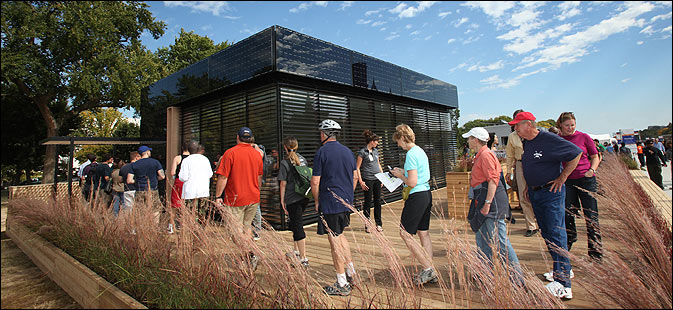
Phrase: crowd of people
(553, 173)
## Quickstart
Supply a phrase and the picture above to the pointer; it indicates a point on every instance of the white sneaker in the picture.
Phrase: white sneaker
(557, 289)
(550, 275)
(170, 228)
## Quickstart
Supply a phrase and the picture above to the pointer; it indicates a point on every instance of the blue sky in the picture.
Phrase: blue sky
(608, 62)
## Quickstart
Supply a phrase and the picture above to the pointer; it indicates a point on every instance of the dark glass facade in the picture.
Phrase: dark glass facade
(309, 81)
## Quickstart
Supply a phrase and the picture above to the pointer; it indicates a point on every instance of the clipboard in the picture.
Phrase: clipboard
(391, 183)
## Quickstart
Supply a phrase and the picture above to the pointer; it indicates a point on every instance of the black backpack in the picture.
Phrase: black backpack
(89, 173)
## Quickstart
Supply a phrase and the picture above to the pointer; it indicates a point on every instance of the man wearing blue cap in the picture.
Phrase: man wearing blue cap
(145, 174)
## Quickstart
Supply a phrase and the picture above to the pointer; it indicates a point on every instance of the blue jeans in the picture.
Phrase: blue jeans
(549, 211)
(118, 200)
(484, 238)
(576, 196)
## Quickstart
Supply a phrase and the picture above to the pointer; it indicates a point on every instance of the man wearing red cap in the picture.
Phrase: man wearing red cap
(541, 161)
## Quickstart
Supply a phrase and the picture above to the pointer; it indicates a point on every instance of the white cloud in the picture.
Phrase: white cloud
(457, 23)
(495, 79)
(640, 42)
(306, 5)
(415, 33)
(216, 8)
(363, 22)
(663, 16)
(472, 39)
(494, 66)
(373, 12)
(408, 26)
(345, 5)
(405, 11)
(378, 23)
(568, 10)
(624, 64)
(647, 30)
(392, 37)
(460, 66)
(494, 9)
(427, 38)
(626, 80)
(571, 48)
(206, 27)
(443, 14)
(383, 28)
(667, 29)
(451, 41)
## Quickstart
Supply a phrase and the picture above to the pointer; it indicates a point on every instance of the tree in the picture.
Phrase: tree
(479, 123)
(76, 56)
(99, 122)
(187, 49)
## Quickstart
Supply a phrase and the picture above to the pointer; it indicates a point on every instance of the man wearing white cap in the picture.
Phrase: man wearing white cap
(541, 161)
(490, 204)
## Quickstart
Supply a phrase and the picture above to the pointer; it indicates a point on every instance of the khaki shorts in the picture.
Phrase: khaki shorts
(245, 213)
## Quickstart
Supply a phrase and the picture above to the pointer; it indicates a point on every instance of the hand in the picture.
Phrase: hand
(317, 209)
(590, 173)
(525, 193)
(284, 209)
(218, 201)
(485, 209)
(397, 172)
(364, 186)
(508, 178)
(557, 184)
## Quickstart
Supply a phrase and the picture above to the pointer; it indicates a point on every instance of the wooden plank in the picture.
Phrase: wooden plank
(80, 282)
(660, 199)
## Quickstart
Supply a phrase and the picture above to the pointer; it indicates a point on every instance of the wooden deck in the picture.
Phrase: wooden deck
(531, 252)
(658, 196)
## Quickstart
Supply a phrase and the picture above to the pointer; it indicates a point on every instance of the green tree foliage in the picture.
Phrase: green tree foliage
(76, 56)
(546, 124)
(499, 120)
(99, 122)
(187, 49)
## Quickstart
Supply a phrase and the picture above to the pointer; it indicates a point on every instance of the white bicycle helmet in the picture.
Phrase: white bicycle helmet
(329, 125)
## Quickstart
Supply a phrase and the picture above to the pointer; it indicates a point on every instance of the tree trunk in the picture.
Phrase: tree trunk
(52, 130)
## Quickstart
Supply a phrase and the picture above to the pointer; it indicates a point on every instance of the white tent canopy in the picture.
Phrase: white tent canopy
(603, 138)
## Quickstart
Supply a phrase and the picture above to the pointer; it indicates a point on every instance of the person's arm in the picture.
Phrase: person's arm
(184, 172)
(174, 167)
(130, 179)
(569, 168)
(409, 181)
(357, 176)
(315, 190)
(219, 188)
(490, 194)
(283, 184)
(160, 174)
(510, 158)
(595, 160)
(661, 156)
(355, 179)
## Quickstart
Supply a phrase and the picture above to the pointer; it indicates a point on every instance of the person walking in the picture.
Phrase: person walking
(514, 151)
(367, 166)
(334, 174)
(581, 186)
(490, 205)
(600, 148)
(654, 159)
(176, 190)
(641, 155)
(239, 178)
(129, 188)
(195, 173)
(293, 204)
(117, 186)
(88, 176)
(418, 205)
(102, 177)
(145, 174)
(541, 162)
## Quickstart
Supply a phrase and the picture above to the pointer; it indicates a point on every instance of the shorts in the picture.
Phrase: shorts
(335, 222)
(245, 213)
(416, 212)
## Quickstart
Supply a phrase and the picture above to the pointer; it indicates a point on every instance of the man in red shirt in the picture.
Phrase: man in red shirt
(239, 177)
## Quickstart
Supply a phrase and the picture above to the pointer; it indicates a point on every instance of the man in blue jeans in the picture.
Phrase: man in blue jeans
(543, 153)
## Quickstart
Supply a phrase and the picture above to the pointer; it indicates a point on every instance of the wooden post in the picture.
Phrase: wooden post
(172, 145)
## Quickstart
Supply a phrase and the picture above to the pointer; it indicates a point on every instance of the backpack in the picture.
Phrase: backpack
(89, 173)
(302, 180)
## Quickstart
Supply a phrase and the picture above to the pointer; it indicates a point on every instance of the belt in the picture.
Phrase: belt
(537, 188)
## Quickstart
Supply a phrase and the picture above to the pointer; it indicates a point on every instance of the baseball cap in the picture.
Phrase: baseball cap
(144, 149)
(245, 132)
(477, 132)
(522, 116)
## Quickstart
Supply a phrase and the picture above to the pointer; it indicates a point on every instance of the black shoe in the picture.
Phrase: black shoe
(530, 233)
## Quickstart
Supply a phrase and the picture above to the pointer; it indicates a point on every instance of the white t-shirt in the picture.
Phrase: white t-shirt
(196, 172)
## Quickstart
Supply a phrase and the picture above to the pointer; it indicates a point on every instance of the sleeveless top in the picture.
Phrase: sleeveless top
(177, 169)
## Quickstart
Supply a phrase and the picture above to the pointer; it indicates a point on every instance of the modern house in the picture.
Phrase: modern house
(280, 83)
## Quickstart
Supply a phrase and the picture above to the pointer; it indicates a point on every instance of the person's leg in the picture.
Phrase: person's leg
(572, 205)
(525, 204)
(416, 249)
(257, 221)
(366, 206)
(295, 211)
(590, 209)
(484, 238)
(116, 201)
(550, 210)
(337, 257)
(376, 187)
(507, 254)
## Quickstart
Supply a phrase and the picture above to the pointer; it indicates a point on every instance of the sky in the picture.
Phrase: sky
(608, 62)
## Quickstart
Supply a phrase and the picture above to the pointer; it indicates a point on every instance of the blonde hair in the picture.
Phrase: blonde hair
(564, 117)
(292, 145)
(404, 132)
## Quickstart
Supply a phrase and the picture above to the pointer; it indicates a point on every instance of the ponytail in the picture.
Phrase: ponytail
(292, 145)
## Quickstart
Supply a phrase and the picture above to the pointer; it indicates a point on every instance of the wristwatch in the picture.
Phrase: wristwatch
(487, 201)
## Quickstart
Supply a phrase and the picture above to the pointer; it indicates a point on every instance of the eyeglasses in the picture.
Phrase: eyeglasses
(568, 113)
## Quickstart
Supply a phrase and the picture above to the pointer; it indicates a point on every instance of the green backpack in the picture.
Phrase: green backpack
(302, 180)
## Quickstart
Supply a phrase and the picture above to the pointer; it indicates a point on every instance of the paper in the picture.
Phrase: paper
(391, 183)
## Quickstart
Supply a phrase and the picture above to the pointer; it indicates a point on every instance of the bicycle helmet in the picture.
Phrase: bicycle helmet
(329, 125)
